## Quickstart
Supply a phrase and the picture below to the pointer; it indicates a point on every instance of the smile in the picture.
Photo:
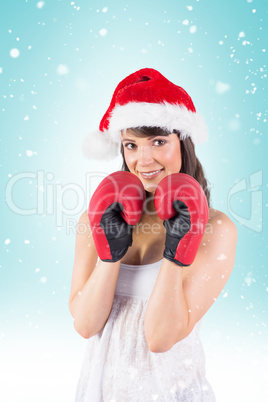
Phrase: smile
(151, 175)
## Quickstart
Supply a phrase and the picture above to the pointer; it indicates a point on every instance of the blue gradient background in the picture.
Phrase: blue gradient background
(56, 92)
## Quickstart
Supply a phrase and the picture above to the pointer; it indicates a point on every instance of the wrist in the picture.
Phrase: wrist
(170, 258)
(109, 263)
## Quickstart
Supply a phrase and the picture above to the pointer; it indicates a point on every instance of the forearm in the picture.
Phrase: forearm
(166, 317)
(92, 305)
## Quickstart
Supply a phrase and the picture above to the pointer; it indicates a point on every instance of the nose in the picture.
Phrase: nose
(145, 157)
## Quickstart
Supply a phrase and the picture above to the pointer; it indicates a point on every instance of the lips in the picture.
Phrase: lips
(152, 174)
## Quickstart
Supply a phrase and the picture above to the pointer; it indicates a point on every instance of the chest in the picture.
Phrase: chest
(148, 246)
(148, 243)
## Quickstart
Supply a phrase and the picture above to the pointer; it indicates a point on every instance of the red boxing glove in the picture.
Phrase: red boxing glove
(115, 207)
(181, 203)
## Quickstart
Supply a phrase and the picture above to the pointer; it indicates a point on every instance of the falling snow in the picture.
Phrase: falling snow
(103, 32)
(40, 4)
(193, 29)
(62, 69)
(222, 87)
(14, 53)
(34, 88)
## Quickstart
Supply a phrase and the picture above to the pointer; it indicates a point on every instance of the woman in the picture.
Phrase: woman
(140, 305)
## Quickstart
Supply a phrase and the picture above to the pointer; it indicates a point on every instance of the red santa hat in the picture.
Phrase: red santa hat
(145, 98)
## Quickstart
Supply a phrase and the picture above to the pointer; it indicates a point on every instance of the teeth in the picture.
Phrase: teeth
(150, 174)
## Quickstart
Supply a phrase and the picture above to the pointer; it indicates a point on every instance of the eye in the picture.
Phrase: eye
(130, 145)
(159, 142)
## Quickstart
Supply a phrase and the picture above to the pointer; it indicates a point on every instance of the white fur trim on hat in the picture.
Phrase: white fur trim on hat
(106, 145)
(164, 115)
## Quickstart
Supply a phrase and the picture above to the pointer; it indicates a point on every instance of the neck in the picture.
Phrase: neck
(150, 215)
(149, 203)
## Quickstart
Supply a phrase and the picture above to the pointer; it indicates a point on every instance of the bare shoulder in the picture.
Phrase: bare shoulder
(216, 253)
(83, 226)
(84, 217)
(218, 245)
(83, 233)
(219, 221)
(220, 236)
(205, 279)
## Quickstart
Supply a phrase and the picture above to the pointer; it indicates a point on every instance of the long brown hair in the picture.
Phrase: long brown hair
(190, 163)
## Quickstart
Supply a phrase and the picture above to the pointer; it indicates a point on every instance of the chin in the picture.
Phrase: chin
(150, 188)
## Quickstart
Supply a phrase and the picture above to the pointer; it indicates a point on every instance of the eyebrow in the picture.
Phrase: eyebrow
(128, 139)
(149, 137)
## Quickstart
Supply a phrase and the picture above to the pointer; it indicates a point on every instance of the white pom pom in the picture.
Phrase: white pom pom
(99, 145)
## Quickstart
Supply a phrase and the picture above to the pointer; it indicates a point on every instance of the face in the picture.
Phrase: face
(152, 158)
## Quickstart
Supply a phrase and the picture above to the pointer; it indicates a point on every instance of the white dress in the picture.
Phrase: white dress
(118, 365)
